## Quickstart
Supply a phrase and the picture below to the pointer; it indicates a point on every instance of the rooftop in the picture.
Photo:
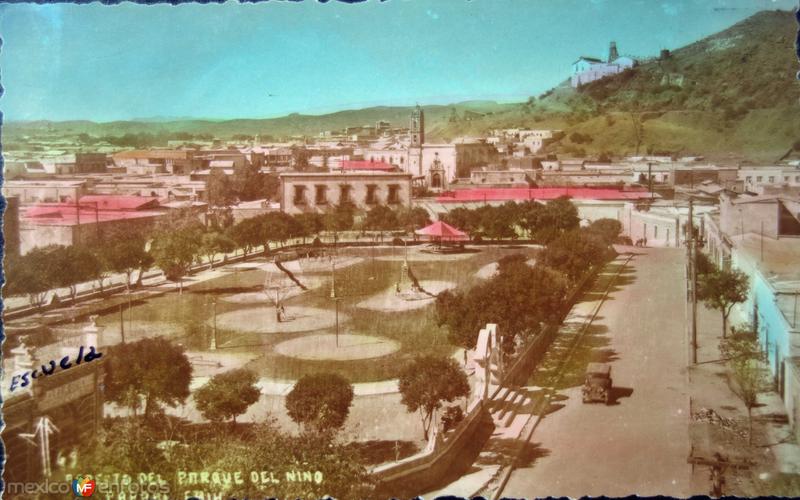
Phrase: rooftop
(519, 194)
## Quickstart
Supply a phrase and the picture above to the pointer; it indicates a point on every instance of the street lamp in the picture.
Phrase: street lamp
(334, 297)
(214, 331)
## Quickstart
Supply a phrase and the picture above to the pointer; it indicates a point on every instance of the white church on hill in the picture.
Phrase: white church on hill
(589, 69)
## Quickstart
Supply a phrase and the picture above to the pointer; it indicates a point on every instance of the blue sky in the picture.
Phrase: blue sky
(103, 63)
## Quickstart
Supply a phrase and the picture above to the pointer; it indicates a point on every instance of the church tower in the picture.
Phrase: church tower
(417, 128)
(613, 55)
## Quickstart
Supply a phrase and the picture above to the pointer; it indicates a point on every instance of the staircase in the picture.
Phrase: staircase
(506, 406)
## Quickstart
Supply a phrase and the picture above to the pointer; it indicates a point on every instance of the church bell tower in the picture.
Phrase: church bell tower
(417, 128)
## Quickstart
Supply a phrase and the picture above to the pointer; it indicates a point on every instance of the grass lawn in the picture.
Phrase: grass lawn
(188, 318)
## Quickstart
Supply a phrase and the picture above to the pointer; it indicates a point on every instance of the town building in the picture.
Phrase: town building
(760, 235)
(318, 192)
(70, 223)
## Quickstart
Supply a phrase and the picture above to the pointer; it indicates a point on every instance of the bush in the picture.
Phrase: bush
(451, 417)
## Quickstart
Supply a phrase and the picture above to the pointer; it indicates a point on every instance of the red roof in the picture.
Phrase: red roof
(442, 230)
(93, 208)
(516, 194)
(116, 202)
(66, 215)
(366, 165)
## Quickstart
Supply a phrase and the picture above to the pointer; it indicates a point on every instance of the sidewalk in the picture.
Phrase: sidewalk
(774, 448)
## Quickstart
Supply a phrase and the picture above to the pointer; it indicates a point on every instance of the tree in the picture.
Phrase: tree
(247, 182)
(227, 395)
(300, 159)
(413, 218)
(320, 401)
(574, 252)
(30, 274)
(381, 218)
(71, 265)
(246, 234)
(607, 229)
(340, 218)
(177, 244)
(219, 189)
(312, 223)
(427, 382)
(721, 290)
(745, 358)
(213, 243)
(152, 370)
(124, 252)
(270, 186)
(518, 299)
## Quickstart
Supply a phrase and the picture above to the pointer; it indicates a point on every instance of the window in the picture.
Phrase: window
(759, 178)
(321, 195)
(749, 179)
(785, 178)
(371, 198)
(344, 194)
(299, 195)
(771, 178)
(394, 194)
(797, 178)
(655, 232)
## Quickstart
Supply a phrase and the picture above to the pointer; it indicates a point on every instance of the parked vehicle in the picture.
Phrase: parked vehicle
(597, 385)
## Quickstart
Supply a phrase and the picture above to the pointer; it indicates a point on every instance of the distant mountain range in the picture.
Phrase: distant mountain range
(731, 95)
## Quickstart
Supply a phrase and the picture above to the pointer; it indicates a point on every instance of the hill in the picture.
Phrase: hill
(285, 126)
(731, 96)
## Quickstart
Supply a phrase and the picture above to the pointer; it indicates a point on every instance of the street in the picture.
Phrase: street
(639, 443)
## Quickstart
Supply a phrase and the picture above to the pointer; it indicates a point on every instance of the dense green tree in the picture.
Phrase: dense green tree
(177, 244)
(464, 219)
(413, 218)
(30, 274)
(151, 371)
(428, 381)
(721, 290)
(248, 182)
(246, 233)
(519, 298)
(215, 242)
(743, 353)
(320, 401)
(574, 252)
(227, 395)
(340, 218)
(381, 218)
(313, 223)
(607, 229)
(219, 188)
(73, 265)
(125, 253)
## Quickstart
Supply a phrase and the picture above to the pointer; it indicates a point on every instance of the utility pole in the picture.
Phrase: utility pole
(650, 178)
(121, 322)
(692, 285)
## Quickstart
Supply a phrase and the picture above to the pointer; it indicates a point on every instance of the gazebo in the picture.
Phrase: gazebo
(442, 232)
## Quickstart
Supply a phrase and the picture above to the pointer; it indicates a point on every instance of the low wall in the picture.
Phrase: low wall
(425, 469)
(422, 471)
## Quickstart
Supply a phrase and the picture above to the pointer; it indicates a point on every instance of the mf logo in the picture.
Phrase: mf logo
(83, 486)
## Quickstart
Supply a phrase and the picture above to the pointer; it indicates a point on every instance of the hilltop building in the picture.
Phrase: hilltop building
(589, 69)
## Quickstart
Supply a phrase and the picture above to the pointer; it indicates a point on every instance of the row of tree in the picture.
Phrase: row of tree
(537, 221)
(179, 241)
(522, 299)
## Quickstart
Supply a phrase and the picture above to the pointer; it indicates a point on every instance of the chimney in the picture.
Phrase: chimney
(612, 52)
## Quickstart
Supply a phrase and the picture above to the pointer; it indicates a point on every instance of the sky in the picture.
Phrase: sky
(105, 63)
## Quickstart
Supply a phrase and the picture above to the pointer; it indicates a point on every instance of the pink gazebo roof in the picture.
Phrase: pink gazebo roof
(442, 230)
